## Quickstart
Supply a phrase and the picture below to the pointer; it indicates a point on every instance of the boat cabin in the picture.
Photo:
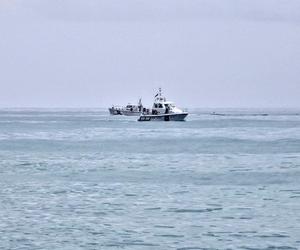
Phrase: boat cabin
(162, 106)
(134, 107)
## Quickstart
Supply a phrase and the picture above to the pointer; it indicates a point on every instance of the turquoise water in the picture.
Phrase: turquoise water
(81, 179)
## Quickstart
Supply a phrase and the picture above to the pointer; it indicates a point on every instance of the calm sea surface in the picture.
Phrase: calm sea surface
(81, 179)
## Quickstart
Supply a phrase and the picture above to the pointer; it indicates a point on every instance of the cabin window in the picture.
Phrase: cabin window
(155, 106)
(160, 105)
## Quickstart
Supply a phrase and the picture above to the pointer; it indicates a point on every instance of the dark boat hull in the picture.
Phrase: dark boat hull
(163, 117)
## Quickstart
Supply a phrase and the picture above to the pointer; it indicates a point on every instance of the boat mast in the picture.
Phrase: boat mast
(159, 97)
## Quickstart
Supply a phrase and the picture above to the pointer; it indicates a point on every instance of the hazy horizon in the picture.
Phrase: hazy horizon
(204, 54)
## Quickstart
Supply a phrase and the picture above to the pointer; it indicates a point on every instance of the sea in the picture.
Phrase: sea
(82, 179)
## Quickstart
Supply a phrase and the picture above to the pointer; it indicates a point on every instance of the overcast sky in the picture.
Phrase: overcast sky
(203, 53)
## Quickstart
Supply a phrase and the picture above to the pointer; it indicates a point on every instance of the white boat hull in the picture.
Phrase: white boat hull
(163, 117)
(131, 113)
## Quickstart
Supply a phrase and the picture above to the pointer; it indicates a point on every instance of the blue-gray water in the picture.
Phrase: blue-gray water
(81, 179)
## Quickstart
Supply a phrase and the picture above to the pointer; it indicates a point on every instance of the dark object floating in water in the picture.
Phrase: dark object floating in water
(204, 210)
(222, 114)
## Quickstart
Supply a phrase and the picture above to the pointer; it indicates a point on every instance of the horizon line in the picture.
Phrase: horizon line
(94, 107)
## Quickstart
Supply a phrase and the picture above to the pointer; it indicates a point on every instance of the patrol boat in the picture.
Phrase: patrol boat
(163, 110)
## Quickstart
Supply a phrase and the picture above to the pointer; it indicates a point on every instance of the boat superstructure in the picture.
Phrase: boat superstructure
(163, 110)
(133, 109)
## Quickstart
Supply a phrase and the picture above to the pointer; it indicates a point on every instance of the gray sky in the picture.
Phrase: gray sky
(203, 53)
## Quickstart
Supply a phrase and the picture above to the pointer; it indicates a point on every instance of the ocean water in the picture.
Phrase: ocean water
(81, 179)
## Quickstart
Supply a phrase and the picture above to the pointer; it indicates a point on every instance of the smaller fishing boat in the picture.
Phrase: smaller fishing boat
(115, 110)
(163, 110)
(133, 109)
